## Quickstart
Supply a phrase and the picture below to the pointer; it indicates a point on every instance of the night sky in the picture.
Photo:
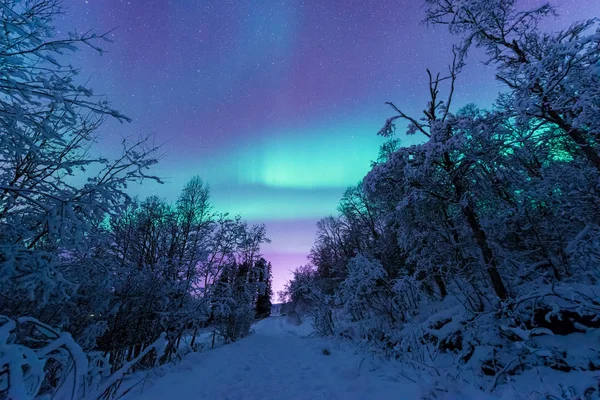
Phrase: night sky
(275, 104)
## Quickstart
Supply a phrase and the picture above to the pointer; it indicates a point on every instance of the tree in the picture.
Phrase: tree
(265, 292)
(550, 76)
(53, 233)
(444, 156)
(236, 268)
(48, 122)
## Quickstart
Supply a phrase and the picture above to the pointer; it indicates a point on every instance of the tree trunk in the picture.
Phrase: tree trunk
(479, 235)
(440, 284)
(488, 255)
(578, 136)
(194, 337)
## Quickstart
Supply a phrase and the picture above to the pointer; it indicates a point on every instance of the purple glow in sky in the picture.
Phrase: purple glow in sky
(275, 104)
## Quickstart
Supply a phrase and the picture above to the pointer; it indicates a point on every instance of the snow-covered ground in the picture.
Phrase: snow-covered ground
(280, 361)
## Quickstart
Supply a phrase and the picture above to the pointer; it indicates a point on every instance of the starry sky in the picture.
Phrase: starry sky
(274, 103)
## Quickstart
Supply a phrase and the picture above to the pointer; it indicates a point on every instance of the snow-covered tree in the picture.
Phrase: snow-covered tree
(552, 78)
(52, 207)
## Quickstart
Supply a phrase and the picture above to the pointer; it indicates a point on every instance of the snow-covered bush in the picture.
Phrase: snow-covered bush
(35, 359)
(41, 362)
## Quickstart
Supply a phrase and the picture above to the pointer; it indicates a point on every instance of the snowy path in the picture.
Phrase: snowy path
(276, 363)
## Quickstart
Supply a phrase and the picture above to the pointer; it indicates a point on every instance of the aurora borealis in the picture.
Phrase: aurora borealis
(275, 104)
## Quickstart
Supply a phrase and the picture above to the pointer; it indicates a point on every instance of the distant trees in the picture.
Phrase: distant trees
(235, 298)
(265, 290)
(127, 278)
(448, 245)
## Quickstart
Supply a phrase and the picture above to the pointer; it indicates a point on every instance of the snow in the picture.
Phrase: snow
(280, 361)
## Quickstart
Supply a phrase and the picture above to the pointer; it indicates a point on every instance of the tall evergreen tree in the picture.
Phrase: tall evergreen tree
(265, 291)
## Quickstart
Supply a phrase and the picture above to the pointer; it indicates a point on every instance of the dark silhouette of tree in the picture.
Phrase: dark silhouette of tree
(265, 291)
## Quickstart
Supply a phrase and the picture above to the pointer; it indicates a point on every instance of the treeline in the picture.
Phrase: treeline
(459, 254)
(94, 284)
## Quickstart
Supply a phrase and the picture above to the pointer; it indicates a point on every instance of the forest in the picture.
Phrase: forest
(471, 259)
(95, 284)
(467, 256)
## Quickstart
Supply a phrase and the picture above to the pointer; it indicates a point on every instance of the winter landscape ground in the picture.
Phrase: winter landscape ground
(279, 360)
